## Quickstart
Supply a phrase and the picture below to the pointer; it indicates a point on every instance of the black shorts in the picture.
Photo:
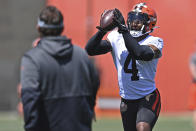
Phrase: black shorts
(146, 109)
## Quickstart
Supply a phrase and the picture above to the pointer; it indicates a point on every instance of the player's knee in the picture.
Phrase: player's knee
(143, 126)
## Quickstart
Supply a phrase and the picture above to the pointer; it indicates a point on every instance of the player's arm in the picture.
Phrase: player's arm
(30, 93)
(97, 46)
(140, 52)
(157, 52)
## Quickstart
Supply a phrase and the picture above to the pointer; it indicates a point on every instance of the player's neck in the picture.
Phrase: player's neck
(141, 37)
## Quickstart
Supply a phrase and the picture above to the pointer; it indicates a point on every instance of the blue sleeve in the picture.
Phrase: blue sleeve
(30, 93)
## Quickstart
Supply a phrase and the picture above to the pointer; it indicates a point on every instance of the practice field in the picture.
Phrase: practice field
(11, 122)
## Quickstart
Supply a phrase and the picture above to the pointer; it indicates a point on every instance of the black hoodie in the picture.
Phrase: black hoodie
(57, 77)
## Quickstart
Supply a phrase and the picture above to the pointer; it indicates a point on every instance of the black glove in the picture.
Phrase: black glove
(119, 21)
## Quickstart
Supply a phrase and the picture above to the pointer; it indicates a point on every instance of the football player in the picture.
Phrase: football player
(135, 53)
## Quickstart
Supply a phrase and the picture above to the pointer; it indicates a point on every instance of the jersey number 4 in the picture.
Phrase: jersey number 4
(134, 70)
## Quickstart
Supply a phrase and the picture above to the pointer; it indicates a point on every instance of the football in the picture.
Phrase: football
(107, 20)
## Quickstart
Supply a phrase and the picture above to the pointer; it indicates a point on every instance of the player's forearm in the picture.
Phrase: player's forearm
(94, 43)
(140, 52)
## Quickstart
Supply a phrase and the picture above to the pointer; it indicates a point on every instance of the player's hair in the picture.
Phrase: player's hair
(50, 15)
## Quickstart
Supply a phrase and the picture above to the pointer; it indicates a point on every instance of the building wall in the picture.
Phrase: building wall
(17, 31)
(177, 24)
(177, 28)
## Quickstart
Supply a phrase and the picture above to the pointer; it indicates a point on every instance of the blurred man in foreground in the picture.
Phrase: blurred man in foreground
(59, 82)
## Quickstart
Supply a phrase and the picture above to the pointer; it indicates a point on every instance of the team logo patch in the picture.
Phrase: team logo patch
(123, 107)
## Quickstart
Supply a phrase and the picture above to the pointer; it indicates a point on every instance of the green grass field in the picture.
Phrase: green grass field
(11, 122)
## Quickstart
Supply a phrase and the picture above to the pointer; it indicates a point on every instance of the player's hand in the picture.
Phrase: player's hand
(107, 22)
(120, 22)
(118, 16)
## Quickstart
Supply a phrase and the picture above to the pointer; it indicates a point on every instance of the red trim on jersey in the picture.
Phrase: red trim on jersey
(158, 110)
(156, 101)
